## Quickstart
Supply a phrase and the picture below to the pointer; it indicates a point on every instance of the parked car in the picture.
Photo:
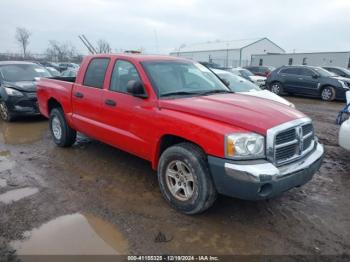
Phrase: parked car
(213, 65)
(242, 72)
(340, 71)
(344, 132)
(202, 138)
(240, 85)
(260, 70)
(65, 66)
(53, 71)
(72, 72)
(308, 81)
(50, 64)
(17, 88)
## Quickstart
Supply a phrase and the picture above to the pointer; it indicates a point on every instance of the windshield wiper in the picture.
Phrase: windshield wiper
(216, 91)
(179, 93)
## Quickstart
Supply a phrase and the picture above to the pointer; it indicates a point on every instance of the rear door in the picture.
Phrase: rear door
(87, 97)
(289, 78)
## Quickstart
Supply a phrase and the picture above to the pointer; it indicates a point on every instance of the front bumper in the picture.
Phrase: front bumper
(255, 180)
(24, 105)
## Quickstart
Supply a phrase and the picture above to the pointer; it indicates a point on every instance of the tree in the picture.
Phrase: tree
(62, 52)
(103, 47)
(22, 37)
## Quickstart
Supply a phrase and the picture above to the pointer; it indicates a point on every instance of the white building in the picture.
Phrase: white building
(341, 59)
(228, 53)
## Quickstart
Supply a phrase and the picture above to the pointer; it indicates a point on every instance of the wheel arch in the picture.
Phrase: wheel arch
(166, 141)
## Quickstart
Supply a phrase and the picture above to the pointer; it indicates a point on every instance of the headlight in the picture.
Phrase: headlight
(12, 92)
(344, 85)
(291, 105)
(245, 146)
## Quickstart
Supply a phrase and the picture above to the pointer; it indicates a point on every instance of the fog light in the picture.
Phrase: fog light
(265, 190)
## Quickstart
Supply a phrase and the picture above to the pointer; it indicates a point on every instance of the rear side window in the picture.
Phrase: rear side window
(123, 72)
(95, 73)
(291, 71)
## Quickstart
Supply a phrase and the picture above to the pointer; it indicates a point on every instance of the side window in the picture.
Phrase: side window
(261, 61)
(290, 71)
(290, 61)
(306, 72)
(123, 72)
(95, 73)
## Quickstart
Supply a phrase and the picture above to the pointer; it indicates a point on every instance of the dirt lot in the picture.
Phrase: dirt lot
(96, 199)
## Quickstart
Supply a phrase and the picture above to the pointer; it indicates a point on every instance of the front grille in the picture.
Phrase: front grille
(285, 153)
(292, 143)
(286, 136)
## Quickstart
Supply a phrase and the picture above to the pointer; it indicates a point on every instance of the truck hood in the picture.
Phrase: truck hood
(268, 95)
(26, 86)
(247, 112)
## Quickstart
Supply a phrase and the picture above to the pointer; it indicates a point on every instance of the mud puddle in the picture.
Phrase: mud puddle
(17, 194)
(75, 234)
(22, 132)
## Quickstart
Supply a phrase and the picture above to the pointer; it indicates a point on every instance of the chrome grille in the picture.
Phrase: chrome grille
(290, 141)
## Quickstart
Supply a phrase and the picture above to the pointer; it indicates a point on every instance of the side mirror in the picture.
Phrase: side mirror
(226, 82)
(136, 88)
(315, 76)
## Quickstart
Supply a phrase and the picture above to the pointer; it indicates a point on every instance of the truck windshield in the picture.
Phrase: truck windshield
(22, 72)
(179, 78)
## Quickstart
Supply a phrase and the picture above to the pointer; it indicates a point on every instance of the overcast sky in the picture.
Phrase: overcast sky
(159, 26)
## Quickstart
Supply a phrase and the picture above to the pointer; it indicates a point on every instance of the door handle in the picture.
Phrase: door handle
(79, 95)
(300, 78)
(110, 102)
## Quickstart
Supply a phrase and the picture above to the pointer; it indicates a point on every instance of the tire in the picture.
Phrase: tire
(277, 88)
(328, 93)
(5, 114)
(62, 134)
(188, 162)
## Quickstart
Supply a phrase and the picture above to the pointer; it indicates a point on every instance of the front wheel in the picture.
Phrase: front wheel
(62, 134)
(277, 88)
(328, 93)
(5, 112)
(185, 180)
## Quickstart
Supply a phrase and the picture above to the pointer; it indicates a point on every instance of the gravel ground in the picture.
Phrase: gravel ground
(45, 189)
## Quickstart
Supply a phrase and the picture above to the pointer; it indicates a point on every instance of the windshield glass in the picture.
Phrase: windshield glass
(246, 73)
(324, 72)
(182, 78)
(22, 72)
(238, 84)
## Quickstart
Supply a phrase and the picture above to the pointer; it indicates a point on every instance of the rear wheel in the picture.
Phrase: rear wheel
(328, 93)
(277, 88)
(62, 134)
(5, 113)
(185, 180)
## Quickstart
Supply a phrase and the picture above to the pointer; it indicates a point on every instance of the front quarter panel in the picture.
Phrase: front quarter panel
(207, 134)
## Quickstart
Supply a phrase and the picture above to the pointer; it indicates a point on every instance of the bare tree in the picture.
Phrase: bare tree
(22, 37)
(62, 52)
(103, 47)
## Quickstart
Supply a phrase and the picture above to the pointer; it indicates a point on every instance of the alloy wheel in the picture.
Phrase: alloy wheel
(179, 180)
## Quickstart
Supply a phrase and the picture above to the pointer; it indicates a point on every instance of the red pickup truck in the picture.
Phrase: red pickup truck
(200, 137)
